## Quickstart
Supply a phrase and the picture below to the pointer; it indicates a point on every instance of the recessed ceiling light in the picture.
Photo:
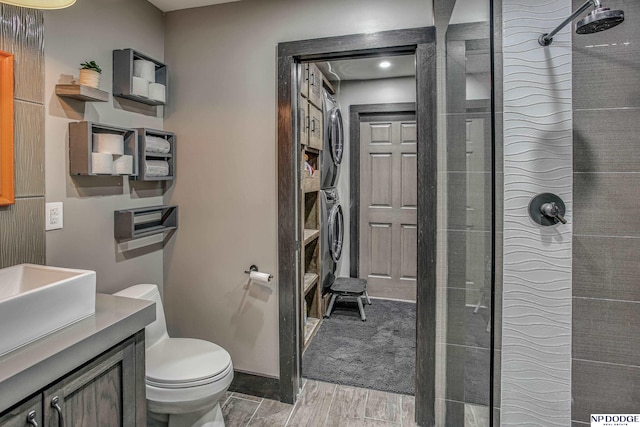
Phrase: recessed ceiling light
(385, 64)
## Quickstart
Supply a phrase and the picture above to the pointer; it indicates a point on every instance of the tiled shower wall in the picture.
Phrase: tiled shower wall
(606, 240)
(536, 316)
(22, 235)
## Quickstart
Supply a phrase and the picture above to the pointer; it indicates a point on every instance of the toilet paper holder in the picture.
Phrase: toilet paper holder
(254, 267)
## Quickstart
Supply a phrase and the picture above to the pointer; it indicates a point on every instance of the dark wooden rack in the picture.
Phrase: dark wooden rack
(136, 223)
(123, 76)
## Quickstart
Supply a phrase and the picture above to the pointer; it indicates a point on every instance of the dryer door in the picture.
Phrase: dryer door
(336, 135)
(336, 232)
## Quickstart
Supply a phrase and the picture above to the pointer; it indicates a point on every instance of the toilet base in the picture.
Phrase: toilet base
(210, 418)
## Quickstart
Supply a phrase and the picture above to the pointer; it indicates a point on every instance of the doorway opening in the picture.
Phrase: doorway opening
(291, 237)
(365, 332)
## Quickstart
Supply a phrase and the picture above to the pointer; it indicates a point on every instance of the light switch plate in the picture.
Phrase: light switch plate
(53, 216)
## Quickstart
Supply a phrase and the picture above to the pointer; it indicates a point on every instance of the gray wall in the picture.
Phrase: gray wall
(90, 30)
(606, 249)
(223, 107)
(354, 92)
(22, 236)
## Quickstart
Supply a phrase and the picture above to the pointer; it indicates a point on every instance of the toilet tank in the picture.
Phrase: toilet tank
(157, 330)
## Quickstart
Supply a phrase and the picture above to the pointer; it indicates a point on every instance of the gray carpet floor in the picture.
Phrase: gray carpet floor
(378, 354)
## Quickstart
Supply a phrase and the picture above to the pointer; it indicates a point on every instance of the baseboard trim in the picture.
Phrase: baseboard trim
(255, 385)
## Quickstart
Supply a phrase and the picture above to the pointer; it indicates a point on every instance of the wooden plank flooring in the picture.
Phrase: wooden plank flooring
(321, 404)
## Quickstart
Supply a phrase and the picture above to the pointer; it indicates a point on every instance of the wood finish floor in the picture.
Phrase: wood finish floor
(322, 404)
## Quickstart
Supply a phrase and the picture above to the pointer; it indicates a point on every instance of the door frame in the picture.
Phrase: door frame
(422, 43)
(356, 115)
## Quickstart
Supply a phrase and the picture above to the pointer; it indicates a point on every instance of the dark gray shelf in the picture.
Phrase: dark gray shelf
(136, 223)
(81, 146)
(143, 155)
(123, 75)
(165, 156)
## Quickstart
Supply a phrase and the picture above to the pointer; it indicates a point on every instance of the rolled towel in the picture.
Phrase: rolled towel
(157, 167)
(155, 144)
(157, 91)
(102, 163)
(140, 87)
(144, 69)
(123, 165)
(108, 143)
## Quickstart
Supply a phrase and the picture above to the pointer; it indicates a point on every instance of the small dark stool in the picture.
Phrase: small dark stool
(348, 287)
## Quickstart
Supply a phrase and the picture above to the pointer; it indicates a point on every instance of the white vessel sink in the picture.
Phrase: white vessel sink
(36, 300)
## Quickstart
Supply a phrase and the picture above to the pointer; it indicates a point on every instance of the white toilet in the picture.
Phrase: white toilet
(185, 378)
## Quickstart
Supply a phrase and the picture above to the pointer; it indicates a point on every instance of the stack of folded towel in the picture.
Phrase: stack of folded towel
(157, 167)
(155, 144)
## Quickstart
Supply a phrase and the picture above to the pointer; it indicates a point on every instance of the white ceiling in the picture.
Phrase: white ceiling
(470, 11)
(169, 5)
(369, 68)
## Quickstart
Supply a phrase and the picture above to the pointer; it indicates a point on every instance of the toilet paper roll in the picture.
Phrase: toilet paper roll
(108, 143)
(157, 91)
(102, 163)
(144, 69)
(260, 277)
(123, 165)
(140, 87)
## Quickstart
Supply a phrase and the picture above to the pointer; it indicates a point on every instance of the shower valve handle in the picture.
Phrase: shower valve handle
(551, 210)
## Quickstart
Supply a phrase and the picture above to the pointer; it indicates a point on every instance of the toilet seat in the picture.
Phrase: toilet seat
(176, 363)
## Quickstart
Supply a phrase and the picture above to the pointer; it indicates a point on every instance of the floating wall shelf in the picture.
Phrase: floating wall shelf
(146, 155)
(82, 92)
(123, 75)
(81, 148)
(136, 223)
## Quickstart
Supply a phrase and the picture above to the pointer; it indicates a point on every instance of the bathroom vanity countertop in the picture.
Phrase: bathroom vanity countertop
(28, 369)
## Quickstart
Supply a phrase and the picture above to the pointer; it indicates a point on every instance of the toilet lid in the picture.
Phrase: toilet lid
(185, 361)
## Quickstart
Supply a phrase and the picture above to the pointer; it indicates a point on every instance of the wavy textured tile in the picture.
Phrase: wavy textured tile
(536, 318)
(22, 33)
(22, 235)
(29, 148)
(22, 239)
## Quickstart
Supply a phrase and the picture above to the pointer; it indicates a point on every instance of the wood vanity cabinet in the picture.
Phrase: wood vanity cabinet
(107, 391)
(27, 414)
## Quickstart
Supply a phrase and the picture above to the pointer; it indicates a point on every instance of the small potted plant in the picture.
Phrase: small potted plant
(90, 74)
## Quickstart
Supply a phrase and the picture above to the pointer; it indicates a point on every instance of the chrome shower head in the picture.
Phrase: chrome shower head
(602, 18)
(599, 19)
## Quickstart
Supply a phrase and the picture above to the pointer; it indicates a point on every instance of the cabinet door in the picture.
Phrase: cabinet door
(27, 414)
(303, 125)
(303, 79)
(315, 85)
(315, 131)
(102, 393)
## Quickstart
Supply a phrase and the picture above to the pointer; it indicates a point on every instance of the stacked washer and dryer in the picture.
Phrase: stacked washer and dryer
(332, 220)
